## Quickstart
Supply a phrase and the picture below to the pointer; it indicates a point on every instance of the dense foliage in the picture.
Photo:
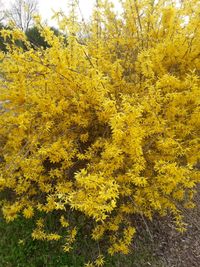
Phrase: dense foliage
(33, 35)
(36, 39)
(105, 128)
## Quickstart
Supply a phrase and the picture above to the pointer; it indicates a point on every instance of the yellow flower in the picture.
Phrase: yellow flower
(89, 264)
(100, 260)
(28, 212)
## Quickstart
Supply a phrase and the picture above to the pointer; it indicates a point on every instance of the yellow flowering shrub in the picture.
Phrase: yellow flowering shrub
(107, 126)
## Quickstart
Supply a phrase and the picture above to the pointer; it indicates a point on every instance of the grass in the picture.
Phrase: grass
(18, 249)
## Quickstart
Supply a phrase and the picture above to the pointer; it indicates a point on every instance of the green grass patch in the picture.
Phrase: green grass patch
(18, 249)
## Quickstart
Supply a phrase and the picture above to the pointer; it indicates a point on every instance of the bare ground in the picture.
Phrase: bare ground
(172, 248)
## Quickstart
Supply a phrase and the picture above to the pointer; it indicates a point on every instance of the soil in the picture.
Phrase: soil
(175, 249)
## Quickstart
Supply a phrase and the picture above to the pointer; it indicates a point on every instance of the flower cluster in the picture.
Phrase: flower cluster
(107, 126)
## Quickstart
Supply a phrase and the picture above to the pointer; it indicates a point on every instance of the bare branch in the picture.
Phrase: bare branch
(21, 13)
